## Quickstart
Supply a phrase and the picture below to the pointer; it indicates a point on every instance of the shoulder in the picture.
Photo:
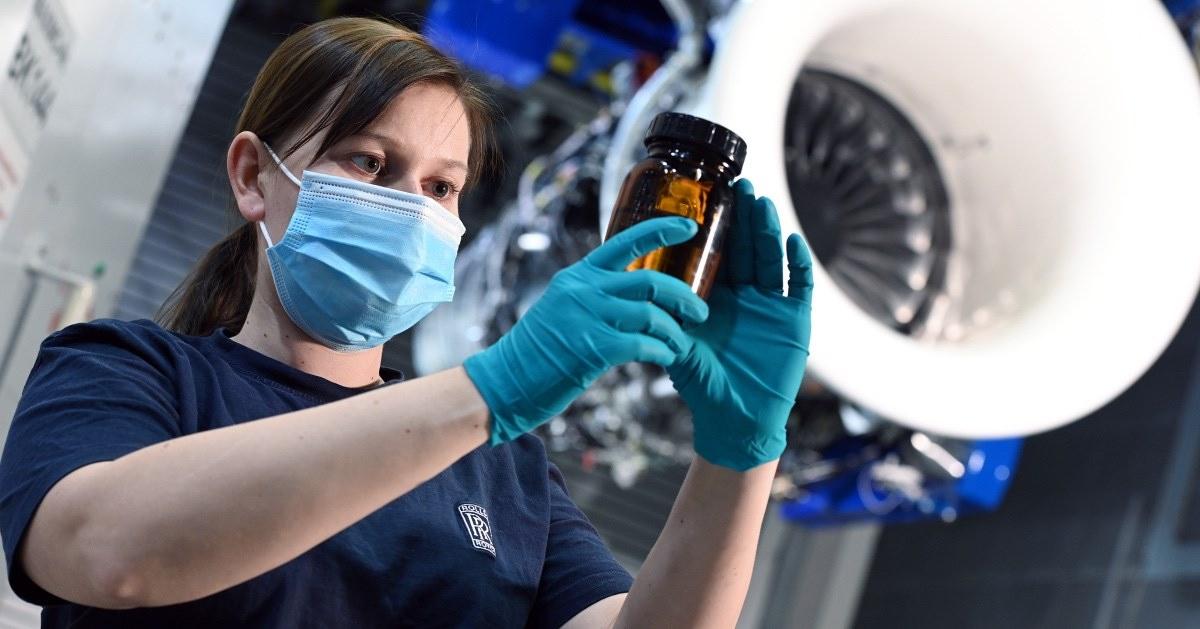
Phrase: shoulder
(526, 455)
(518, 469)
(115, 343)
(140, 336)
(528, 447)
(111, 329)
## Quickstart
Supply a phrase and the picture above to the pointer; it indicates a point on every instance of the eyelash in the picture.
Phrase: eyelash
(454, 190)
(382, 163)
(449, 184)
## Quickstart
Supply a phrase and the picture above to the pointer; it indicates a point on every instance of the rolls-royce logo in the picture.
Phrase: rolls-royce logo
(475, 518)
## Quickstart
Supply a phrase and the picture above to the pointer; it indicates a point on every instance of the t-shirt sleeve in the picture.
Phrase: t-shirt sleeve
(96, 393)
(579, 569)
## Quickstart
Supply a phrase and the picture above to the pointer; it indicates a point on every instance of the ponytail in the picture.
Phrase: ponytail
(218, 291)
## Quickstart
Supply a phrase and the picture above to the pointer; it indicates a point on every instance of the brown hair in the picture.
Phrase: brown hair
(348, 69)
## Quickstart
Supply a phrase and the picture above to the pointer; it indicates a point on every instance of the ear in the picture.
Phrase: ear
(244, 163)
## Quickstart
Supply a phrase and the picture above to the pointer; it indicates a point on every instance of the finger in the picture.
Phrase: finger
(664, 291)
(642, 238)
(739, 254)
(649, 320)
(634, 347)
(768, 250)
(800, 269)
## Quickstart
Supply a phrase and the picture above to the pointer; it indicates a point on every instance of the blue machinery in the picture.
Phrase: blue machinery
(519, 41)
(882, 485)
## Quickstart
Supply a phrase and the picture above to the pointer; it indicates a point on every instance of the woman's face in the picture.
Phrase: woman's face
(419, 144)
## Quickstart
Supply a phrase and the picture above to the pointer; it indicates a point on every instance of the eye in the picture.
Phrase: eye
(443, 189)
(369, 164)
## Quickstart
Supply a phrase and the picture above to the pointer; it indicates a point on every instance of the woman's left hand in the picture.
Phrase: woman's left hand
(742, 375)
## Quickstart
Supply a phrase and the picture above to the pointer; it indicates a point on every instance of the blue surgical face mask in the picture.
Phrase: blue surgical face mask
(361, 263)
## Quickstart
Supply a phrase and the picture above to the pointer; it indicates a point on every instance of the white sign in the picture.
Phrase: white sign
(28, 86)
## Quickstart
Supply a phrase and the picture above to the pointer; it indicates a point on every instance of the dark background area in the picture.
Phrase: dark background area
(1099, 528)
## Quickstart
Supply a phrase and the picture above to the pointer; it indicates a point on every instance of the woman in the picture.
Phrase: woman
(247, 466)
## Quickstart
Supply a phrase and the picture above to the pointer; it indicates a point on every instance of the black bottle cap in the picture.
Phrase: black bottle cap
(674, 126)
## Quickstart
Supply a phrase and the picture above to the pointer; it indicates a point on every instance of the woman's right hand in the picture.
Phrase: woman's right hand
(594, 315)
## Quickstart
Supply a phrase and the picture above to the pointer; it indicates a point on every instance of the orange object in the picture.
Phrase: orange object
(689, 172)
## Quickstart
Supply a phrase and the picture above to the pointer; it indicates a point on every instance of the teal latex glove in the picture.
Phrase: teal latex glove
(743, 372)
(593, 316)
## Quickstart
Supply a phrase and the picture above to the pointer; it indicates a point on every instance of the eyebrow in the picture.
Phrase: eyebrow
(452, 164)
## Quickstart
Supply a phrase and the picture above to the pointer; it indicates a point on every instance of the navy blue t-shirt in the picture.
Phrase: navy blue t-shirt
(492, 541)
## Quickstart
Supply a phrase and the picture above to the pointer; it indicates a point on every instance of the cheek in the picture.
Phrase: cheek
(281, 205)
(451, 205)
(334, 167)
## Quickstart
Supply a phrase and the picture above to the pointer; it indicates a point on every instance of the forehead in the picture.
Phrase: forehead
(426, 120)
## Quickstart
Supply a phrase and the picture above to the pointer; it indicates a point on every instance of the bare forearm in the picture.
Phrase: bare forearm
(188, 517)
(699, 569)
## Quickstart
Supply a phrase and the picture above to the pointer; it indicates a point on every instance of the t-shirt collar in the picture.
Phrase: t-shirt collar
(264, 366)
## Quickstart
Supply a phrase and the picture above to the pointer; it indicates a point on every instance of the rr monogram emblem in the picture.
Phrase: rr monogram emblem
(475, 518)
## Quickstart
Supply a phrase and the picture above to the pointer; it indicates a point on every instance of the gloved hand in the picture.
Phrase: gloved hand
(743, 372)
(594, 315)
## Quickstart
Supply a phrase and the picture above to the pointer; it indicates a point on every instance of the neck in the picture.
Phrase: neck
(269, 331)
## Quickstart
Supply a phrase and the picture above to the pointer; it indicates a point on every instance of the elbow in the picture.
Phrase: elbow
(118, 585)
(111, 577)
(78, 554)
(134, 568)
(85, 577)
(130, 571)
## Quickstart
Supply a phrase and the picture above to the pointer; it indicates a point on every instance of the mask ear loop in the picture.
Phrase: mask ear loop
(278, 162)
(263, 228)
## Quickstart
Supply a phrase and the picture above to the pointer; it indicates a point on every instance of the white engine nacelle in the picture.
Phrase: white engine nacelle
(1067, 134)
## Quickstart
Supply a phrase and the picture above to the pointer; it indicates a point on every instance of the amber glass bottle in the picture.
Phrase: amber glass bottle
(689, 172)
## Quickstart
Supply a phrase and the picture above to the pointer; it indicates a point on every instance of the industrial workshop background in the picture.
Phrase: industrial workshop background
(1001, 424)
